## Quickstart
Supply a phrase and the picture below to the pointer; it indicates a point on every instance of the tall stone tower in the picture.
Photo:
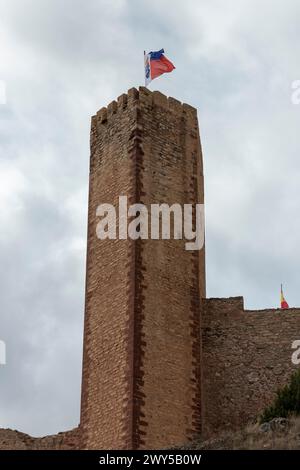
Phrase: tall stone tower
(142, 347)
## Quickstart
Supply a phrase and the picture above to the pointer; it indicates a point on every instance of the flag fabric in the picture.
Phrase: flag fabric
(283, 302)
(155, 65)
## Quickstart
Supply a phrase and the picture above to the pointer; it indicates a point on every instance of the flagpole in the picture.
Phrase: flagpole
(145, 68)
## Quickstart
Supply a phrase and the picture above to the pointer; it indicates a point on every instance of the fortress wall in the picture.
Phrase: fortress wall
(141, 367)
(159, 365)
(246, 356)
(14, 440)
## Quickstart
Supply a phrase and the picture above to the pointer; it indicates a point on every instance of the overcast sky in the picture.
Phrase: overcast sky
(61, 62)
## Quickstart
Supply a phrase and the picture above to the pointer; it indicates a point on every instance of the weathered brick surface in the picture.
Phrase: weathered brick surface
(141, 369)
(246, 357)
(107, 364)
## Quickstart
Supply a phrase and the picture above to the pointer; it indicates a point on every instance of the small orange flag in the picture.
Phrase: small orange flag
(283, 302)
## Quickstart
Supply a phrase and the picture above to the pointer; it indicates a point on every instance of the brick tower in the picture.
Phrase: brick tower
(141, 384)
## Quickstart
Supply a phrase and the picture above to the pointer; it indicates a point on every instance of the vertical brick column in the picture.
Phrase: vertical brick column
(142, 349)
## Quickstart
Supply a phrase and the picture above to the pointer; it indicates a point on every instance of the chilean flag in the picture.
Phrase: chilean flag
(155, 65)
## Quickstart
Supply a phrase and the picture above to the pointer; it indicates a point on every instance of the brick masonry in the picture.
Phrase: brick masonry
(141, 370)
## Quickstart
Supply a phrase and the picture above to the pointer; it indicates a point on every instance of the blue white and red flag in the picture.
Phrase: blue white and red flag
(155, 65)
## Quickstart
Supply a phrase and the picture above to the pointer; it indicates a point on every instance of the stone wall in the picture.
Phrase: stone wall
(246, 357)
(14, 440)
(141, 367)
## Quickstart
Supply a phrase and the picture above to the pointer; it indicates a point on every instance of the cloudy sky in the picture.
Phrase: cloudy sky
(62, 61)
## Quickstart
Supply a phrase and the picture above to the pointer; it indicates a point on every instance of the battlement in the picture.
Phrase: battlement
(234, 305)
(233, 302)
(145, 98)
